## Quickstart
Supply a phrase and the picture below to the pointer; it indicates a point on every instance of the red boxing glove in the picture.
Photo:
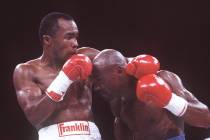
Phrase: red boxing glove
(77, 67)
(142, 65)
(151, 88)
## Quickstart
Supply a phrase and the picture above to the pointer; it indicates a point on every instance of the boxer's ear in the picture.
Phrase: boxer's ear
(47, 40)
(119, 69)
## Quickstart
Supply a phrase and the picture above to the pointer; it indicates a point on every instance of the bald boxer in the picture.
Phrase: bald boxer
(53, 90)
(152, 107)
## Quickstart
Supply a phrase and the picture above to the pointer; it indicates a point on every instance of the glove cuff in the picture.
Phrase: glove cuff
(58, 87)
(177, 105)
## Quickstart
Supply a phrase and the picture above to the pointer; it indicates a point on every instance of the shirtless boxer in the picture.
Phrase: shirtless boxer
(161, 108)
(53, 90)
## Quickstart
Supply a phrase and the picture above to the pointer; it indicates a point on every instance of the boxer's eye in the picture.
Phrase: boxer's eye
(71, 35)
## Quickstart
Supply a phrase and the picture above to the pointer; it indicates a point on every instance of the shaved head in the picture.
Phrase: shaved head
(109, 77)
(109, 57)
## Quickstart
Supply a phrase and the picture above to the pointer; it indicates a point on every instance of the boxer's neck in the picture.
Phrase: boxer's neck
(51, 61)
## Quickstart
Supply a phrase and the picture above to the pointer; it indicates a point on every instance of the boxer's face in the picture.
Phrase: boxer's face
(107, 82)
(65, 40)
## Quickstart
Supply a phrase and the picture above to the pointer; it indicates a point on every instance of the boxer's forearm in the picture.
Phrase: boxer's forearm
(197, 115)
(40, 109)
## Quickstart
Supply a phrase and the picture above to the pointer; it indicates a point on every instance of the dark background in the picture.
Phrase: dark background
(176, 32)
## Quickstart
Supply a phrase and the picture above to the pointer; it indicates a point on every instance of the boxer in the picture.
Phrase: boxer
(54, 90)
(147, 104)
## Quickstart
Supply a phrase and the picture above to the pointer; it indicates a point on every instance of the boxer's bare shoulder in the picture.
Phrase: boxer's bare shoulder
(24, 72)
(27, 79)
(27, 66)
(31, 70)
(176, 85)
(90, 52)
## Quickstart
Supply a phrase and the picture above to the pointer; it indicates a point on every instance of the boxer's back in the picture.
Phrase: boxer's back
(77, 102)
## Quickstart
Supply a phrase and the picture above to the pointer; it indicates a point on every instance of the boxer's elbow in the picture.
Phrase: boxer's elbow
(31, 114)
(197, 115)
(207, 123)
(205, 117)
(200, 122)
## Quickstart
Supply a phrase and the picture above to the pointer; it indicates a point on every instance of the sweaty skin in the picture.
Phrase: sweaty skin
(135, 120)
(32, 78)
(145, 121)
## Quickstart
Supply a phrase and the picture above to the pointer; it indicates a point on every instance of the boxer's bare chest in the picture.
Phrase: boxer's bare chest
(78, 94)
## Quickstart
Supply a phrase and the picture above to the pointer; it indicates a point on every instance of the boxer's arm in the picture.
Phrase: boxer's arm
(197, 113)
(36, 105)
(121, 131)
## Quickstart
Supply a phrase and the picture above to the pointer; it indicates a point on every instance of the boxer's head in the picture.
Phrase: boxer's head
(109, 77)
(58, 34)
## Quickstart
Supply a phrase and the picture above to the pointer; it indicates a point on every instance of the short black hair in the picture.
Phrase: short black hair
(49, 23)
